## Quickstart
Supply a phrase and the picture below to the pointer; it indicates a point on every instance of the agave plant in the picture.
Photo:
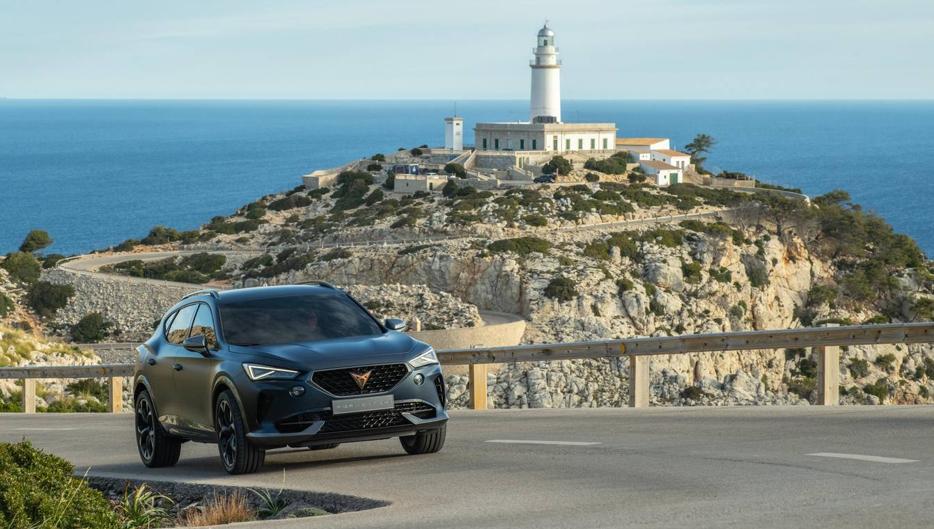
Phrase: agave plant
(143, 508)
(270, 503)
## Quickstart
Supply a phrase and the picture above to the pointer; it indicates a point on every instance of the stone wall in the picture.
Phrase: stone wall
(132, 305)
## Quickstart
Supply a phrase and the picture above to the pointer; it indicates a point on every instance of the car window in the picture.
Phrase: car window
(178, 330)
(204, 325)
(294, 319)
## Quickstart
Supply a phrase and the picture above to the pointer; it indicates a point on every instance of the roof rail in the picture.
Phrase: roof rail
(204, 291)
(324, 284)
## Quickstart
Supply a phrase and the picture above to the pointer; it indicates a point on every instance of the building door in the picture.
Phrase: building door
(674, 178)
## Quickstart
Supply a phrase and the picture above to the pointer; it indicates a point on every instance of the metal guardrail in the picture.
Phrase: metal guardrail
(824, 340)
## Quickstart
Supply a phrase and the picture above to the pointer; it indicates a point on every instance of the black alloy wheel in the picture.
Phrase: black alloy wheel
(156, 447)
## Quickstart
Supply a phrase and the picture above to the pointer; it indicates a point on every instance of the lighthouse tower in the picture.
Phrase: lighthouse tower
(545, 104)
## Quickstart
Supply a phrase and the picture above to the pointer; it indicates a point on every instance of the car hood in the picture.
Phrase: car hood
(391, 347)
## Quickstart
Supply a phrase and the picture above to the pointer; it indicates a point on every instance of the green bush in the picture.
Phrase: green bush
(521, 245)
(206, 263)
(45, 298)
(591, 177)
(352, 188)
(378, 157)
(885, 362)
(615, 164)
(254, 211)
(290, 202)
(49, 261)
(22, 267)
(691, 272)
(375, 196)
(91, 328)
(879, 388)
(738, 311)
(35, 240)
(557, 165)
(161, 235)
(597, 250)
(757, 274)
(455, 169)
(562, 289)
(39, 491)
(722, 274)
(337, 253)
(859, 368)
(6, 305)
(624, 285)
(536, 219)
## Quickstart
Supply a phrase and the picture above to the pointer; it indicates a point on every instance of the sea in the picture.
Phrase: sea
(94, 173)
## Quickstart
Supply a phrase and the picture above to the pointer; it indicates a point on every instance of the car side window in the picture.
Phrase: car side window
(178, 329)
(204, 325)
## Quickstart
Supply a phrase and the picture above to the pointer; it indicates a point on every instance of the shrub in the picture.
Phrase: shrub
(455, 169)
(615, 164)
(45, 298)
(624, 285)
(35, 240)
(375, 196)
(290, 202)
(374, 167)
(206, 263)
(879, 388)
(142, 508)
(38, 490)
(859, 368)
(691, 272)
(255, 211)
(49, 261)
(722, 274)
(597, 250)
(337, 253)
(819, 295)
(558, 165)
(22, 267)
(693, 393)
(886, 362)
(161, 235)
(591, 177)
(390, 182)
(417, 151)
(561, 289)
(353, 186)
(6, 305)
(521, 245)
(738, 311)
(378, 157)
(91, 328)
(536, 219)
(757, 274)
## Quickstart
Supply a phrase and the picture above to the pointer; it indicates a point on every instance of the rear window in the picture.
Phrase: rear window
(293, 319)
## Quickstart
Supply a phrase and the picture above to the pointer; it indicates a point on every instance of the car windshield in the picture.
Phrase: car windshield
(291, 319)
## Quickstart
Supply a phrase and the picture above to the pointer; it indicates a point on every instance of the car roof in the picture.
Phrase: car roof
(247, 294)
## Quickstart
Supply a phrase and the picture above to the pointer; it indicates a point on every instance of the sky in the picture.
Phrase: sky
(479, 49)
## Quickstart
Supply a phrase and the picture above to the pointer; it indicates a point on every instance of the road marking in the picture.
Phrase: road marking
(532, 442)
(859, 457)
(45, 429)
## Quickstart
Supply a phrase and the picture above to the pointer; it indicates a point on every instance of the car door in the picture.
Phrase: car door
(194, 376)
(167, 362)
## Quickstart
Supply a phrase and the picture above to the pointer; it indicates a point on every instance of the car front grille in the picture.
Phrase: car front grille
(342, 383)
(356, 422)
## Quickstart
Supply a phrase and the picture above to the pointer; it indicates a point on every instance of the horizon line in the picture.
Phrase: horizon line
(448, 100)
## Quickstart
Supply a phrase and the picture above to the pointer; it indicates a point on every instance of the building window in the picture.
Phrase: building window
(593, 144)
(484, 143)
(567, 145)
(604, 144)
(496, 144)
(534, 145)
(521, 145)
(554, 144)
(580, 144)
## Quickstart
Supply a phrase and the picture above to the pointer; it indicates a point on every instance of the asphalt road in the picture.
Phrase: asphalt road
(699, 467)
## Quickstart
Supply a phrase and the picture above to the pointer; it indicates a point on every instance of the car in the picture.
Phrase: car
(545, 179)
(305, 365)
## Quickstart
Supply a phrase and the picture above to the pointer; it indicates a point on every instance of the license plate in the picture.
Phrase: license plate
(379, 402)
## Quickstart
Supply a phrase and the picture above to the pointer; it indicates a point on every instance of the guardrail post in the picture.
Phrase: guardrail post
(477, 383)
(115, 394)
(29, 395)
(638, 381)
(828, 375)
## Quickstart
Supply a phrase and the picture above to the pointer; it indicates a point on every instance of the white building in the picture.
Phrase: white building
(544, 131)
(676, 158)
(661, 173)
(413, 183)
(642, 146)
(454, 133)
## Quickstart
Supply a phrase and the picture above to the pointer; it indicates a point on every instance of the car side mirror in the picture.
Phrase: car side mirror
(395, 324)
(197, 343)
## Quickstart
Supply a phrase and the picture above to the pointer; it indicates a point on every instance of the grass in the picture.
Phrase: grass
(231, 508)
(142, 508)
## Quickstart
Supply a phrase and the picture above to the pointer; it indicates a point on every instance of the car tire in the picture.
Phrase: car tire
(156, 447)
(237, 454)
(427, 442)
(324, 447)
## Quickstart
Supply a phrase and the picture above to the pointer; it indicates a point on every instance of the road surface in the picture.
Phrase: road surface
(677, 467)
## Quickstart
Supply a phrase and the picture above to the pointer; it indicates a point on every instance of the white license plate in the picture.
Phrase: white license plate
(379, 402)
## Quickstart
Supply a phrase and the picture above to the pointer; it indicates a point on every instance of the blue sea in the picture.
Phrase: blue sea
(94, 173)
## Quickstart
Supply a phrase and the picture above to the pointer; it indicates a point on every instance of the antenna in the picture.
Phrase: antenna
(455, 109)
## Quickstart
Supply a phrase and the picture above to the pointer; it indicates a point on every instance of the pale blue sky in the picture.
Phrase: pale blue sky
(477, 49)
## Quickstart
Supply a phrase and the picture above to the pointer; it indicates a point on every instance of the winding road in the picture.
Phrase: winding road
(764, 467)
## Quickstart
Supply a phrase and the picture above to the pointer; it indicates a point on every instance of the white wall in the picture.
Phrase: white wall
(454, 134)
(545, 93)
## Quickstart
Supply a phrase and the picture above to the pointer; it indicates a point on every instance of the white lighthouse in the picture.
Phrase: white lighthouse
(545, 102)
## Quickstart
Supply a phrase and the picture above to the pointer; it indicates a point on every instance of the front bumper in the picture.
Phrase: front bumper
(281, 419)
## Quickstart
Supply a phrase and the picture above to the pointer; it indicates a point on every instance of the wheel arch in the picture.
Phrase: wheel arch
(223, 382)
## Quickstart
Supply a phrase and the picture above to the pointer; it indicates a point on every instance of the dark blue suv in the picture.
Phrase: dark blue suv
(299, 366)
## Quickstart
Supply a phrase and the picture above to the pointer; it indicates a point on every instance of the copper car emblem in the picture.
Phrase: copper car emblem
(361, 378)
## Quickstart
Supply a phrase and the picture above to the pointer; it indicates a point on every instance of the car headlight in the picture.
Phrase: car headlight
(258, 372)
(427, 358)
